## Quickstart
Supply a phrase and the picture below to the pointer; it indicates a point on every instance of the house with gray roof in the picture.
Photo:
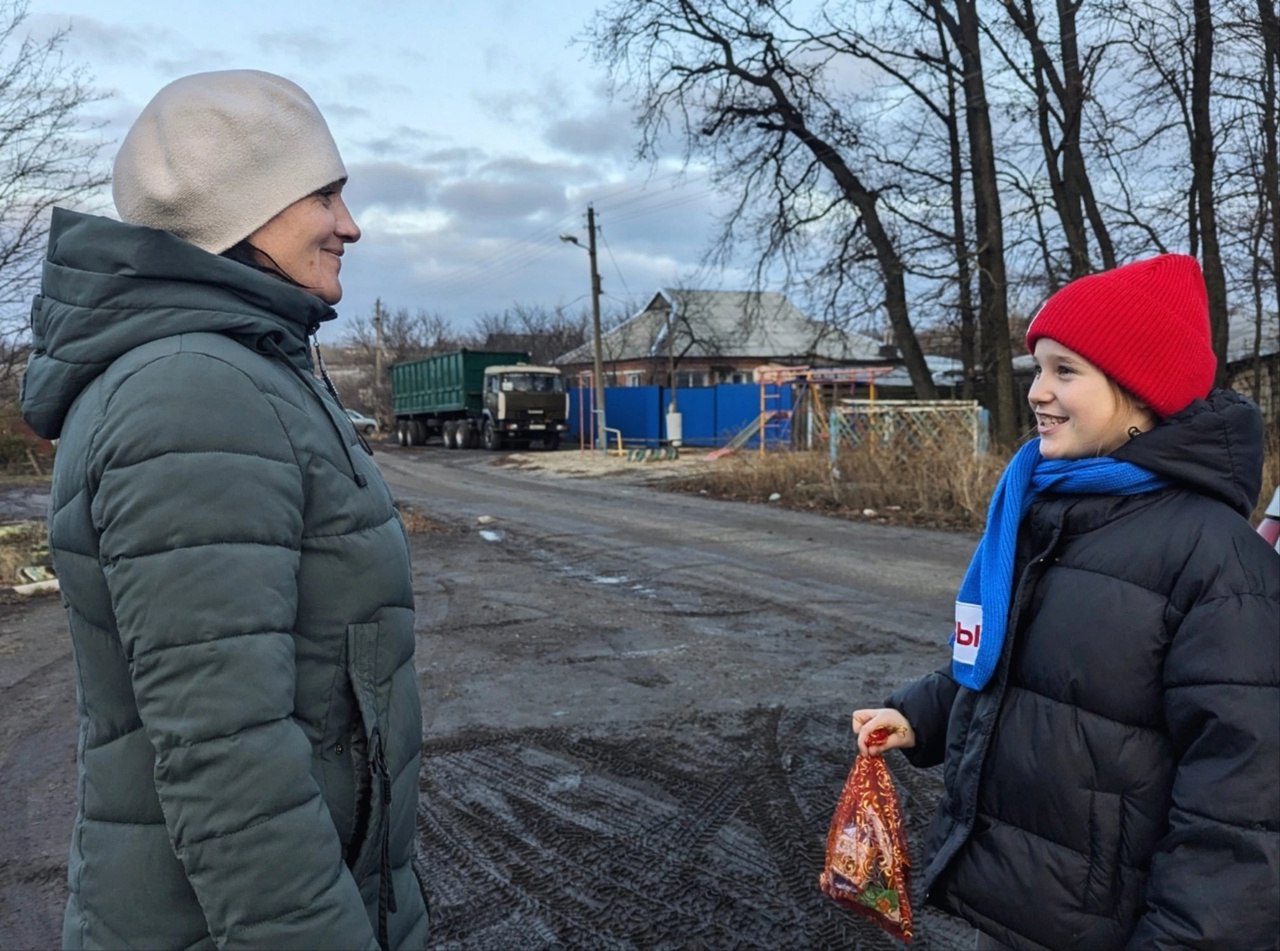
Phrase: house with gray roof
(1257, 376)
(712, 337)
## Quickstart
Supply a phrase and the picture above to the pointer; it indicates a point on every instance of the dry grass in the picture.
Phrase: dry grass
(417, 522)
(939, 489)
(22, 452)
(946, 488)
(22, 544)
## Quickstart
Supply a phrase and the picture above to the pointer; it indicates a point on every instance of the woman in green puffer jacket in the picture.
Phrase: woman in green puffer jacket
(236, 577)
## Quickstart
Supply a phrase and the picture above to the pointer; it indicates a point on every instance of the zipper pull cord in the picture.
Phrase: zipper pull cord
(270, 345)
(333, 390)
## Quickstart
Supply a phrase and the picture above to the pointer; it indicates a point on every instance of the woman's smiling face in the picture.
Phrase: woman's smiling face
(307, 239)
(1079, 411)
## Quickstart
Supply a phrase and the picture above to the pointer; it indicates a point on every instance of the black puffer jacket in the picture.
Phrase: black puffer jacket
(1117, 784)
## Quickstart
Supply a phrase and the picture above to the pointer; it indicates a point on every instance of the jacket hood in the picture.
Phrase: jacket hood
(1213, 447)
(109, 287)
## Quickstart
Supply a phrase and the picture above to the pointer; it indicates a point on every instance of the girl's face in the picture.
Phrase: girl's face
(1079, 411)
(307, 239)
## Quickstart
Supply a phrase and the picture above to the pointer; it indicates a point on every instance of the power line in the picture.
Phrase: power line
(614, 261)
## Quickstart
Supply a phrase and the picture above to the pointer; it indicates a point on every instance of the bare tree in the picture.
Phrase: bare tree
(383, 339)
(1173, 98)
(48, 157)
(1245, 74)
(964, 25)
(1060, 86)
(918, 57)
(402, 335)
(541, 332)
(1269, 167)
(748, 91)
(1203, 156)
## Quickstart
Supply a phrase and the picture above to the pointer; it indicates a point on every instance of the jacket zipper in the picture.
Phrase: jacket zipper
(386, 891)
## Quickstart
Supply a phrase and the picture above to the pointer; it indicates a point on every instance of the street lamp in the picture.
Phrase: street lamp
(597, 374)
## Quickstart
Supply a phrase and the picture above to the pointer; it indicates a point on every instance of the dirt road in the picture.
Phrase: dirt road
(637, 707)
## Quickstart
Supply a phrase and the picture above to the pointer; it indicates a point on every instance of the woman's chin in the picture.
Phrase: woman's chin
(330, 295)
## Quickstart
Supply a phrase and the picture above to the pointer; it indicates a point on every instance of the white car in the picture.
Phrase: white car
(364, 424)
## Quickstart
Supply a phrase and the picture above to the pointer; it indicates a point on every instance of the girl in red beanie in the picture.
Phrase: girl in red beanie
(1109, 720)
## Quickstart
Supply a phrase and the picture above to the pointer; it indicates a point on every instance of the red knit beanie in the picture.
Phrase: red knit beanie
(1145, 325)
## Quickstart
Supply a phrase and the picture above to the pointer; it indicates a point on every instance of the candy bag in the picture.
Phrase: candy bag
(867, 864)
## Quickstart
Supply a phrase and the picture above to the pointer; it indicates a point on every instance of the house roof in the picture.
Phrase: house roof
(1241, 331)
(944, 370)
(731, 324)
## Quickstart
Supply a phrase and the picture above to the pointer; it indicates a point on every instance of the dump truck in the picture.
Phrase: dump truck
(469, 398)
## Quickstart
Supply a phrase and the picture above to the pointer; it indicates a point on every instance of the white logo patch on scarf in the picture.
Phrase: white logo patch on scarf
(968, 634)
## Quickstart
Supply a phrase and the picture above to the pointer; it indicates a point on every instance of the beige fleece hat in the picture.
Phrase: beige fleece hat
(214, 156)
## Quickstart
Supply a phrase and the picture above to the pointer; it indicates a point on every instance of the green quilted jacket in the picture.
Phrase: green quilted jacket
(241, 608)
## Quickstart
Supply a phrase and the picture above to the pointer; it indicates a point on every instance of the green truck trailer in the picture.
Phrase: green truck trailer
(469, 398)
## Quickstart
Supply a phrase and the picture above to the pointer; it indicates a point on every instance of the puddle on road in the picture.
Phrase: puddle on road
(654, 651)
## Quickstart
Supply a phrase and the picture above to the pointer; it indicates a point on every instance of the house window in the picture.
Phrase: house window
(634, 378)
(688, 379)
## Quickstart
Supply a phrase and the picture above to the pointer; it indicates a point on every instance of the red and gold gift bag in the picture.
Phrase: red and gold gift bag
(867, 863)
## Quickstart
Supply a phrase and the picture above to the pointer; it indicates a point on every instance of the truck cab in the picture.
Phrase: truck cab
(524, 402)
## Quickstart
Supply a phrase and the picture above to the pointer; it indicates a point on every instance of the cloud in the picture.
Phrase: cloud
(601, 134)
(184, 62)
(527, 106)
(342, 111)
(303, 44)
(486, 238)
(389, 185)
(93, 40)
(503, 200)
(373, 86)
(410, 143)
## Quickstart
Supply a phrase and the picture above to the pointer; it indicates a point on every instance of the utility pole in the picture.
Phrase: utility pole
(377, 339)
(379, 386)
(598, 373)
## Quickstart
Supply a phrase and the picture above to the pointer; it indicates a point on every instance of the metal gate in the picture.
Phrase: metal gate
(904, 427)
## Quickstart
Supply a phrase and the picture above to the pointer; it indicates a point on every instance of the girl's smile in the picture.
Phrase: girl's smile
(1079, 410)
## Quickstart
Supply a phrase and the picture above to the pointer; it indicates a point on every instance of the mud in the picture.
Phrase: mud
(637, 711)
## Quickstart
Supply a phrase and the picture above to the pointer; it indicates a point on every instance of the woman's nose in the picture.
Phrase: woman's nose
(346, 227)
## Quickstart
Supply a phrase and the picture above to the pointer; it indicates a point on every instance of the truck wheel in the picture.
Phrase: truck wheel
(402, 432)
(492, 441)
(552, 442)
(466, 436)
(448, 433)
(417, 433)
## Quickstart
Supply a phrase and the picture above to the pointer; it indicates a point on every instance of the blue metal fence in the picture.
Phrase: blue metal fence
(710, 416)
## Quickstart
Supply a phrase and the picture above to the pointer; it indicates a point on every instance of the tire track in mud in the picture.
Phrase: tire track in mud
(684, 833)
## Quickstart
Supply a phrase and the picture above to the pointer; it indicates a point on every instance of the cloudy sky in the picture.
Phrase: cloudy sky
(475, 132)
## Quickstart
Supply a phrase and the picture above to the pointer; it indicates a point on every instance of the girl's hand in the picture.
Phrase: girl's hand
(867, 722)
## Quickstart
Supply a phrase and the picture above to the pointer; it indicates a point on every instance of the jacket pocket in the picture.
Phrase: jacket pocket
(1102, 877)
(371, 689)
(373, 783)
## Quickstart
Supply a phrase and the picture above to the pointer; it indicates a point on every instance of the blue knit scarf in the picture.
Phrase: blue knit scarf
(988, 584)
